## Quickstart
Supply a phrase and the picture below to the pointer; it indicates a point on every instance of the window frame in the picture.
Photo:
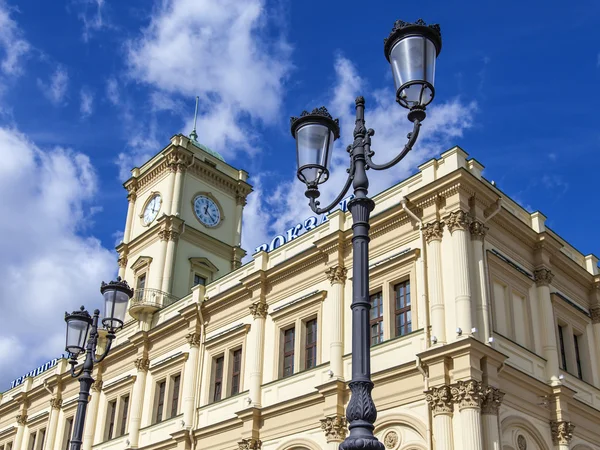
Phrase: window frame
(202, 267)
(405, 310)
(235, 373)
(377, 321)
(165, 369)
(67, 432)
(310, 345)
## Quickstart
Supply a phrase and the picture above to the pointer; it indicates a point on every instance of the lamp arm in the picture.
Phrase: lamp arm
(110, 338)
(412, 138)
(73, 362)
(314, 204)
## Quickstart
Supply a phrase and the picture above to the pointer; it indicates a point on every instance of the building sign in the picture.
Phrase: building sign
(300, 228)
(50, 364)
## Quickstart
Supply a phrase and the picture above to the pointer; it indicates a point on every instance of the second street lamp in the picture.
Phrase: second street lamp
(411, 49)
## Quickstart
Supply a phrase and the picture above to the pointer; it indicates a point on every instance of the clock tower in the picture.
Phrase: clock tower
(184, 223)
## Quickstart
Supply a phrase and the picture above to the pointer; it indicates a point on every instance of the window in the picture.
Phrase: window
(310, 346)
(376, 318)
(175, 382)
(160, 400)
(199, 280)
(578, 356)
(403, 312)
(561, 340)
(236, 371)
(124, 411)
(41, 438)
(288, 351)
(68, 431)
(36, 440)
(218, 384)
(32, 438)
(140, 286)
(110, 420)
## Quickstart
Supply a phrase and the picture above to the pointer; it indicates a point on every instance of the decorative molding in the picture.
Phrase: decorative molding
(22, 419)
(361, 406)
(542, 277)
(562, 432)
(521, 442)
(122, 261)
(142, 364)
(56, 402)
(250, 444)
(433, 231)
(478, 230)
(335, 428)
(457, 220)
(97, 385)
(595, 313)
(168, 235)
(390, 440)
(440, 400)
(336, 274)
(193, 339)
(259, 310)
(467, 394)
(240, 200)
(492, 399)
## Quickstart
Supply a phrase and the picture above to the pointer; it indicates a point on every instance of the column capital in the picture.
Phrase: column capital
(467, 394)
(595, 313)
(56, 402)
(122, 261)
(132, 196)
(250, 444)
(336, 275)
(335, 428)
(142, 364)
(97, 385)
(543, 276)
(240, 200)
(440, 400)
(478, 230)
(193, 339)
(433, 231)
(259, 310)
(492, 399)
(457, 220)
(562, 432)
(22, 419)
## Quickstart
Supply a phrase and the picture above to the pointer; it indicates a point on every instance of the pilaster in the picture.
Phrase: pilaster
(441, 405)
(337, 278)
(142, 364)
(543, 277)
(92, 414)
(482, 304)
(468, 395)
(433, 232)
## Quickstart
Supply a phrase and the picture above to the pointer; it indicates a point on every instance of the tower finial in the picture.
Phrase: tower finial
(193, 134)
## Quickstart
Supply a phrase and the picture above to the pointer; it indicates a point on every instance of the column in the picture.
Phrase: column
(175, 205)
(169, 261)
(137, 402)
(21, 424)
(482, 302)
(595, 346)
(168, 195)
(240, 202)
(562, 433)
(55, 405)
(259, 312)
(335, 429)
(337, 277)
(131, 197)
(543, 278)
(157, 272)
(492, 399)
(92, 416)
(468, 396)
(441, 405)
(458, 224)
(122, 264)
(189, 379)
(433, 233)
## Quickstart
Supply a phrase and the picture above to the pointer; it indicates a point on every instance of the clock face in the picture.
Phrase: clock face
(152, 208)
(207, 211)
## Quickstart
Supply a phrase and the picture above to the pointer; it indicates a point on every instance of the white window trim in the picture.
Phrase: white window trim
(166, 369)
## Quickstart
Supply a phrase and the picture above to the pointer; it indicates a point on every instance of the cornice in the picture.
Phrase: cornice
(297, 264)
(168, 362)
(211, 175)
(116, 385)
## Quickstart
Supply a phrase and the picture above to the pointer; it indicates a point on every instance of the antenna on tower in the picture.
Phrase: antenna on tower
(193, 134)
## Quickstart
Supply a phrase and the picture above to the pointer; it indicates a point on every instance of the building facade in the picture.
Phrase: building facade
(485, 324)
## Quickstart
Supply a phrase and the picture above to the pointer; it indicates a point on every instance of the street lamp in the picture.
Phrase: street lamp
(82, 326)
(411, 49)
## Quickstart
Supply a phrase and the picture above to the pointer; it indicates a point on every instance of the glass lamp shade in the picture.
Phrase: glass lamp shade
(78, 325)
(315, 134)
(116, 297)
(412, 50)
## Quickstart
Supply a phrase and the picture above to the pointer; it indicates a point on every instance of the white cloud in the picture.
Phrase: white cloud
(56, 89)
(86, 106)
(219, 51)
(92, 16)
(445, 123)
(13, 47)
(50, 265)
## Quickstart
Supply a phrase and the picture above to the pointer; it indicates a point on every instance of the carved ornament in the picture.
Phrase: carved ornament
(457, 220)
(56, 402)
(193, 339)
(521, 442)
(22, 419)
(492, 399)
(390, 440)
(478, 230)
(250, 444)
(142, 364)
(433, 231)
(259, 310)
(336, 274)
(467, 394)
(168, 235)
(240, 200)
(335, 428)
(440, 400)
(543, 277)
(97, 385)
(562, 432)
(122, 261)
(595, 313)
(179, 161)
(361, 406)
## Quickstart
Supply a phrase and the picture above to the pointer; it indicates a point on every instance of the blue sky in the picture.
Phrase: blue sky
(90, 88)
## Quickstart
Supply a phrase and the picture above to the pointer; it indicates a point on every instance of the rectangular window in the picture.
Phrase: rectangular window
(160, 400)
(376, 321)
(175, 382)
(578, 356)
(41, 438)
(141, 284)
(68, 431)
(403, 312)
(9, 446)
(32, 441)
(198, 280)
(563, 355)
(110, 420)
(218, 386)
(288, 351)
(310, 344)
(124, 410)
(236, 371)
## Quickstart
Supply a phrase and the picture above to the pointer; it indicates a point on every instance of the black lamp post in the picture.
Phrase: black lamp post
(80, 325)
(411, 49)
